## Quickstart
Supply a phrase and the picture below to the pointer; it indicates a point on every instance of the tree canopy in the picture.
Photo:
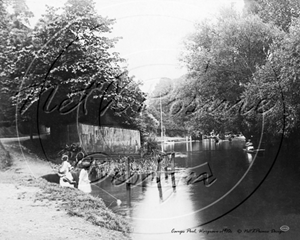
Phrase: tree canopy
(14, 31)
(279, 12)
(222, 57)
(65, 68)
(243, 71)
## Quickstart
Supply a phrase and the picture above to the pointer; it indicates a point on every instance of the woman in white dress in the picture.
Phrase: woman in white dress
(84, 183)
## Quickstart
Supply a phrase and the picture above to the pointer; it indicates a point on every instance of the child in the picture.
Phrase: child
(66, 178)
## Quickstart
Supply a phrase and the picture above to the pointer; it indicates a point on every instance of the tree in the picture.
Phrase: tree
(278, 81)
(279, 12)
(71, 71)
(164, 100)
(221, 58)
(147, 124)
(13, 34)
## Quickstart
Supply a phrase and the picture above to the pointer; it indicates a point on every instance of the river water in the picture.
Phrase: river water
(246, 196)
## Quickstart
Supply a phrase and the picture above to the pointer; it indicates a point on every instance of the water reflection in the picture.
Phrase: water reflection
(155, 218)
(155, 206)
(249, 157)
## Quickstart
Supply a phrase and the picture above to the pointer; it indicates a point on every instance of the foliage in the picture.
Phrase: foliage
(72, 57)
(222, 57)
(65, 69)
(146, 123)
(279, 12)
(13, 34)
(243, 71)
(74, 152)
(278, 82)
(164, 102)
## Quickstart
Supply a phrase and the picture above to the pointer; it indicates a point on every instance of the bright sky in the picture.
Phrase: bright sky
(152, 31)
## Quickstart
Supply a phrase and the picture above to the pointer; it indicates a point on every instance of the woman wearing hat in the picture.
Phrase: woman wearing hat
(84, 183)
(66, 178)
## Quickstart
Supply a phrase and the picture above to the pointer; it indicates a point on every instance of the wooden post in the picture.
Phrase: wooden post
(166, 168)
(159, 188)
(173, 171)
(129, 195)
(158, 170)
(172, 162)
(128, 173)
(158, 181)
(144, 179)
(187, 143)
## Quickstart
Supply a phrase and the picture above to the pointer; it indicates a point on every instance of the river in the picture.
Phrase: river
(247, 196)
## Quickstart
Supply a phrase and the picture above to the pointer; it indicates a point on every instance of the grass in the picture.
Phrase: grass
(77, 203)
(72, 200)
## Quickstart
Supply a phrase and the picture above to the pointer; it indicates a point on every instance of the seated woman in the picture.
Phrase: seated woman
(66, 178)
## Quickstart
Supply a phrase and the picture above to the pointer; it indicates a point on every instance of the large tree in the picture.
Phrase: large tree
(222, 57)
(278, 82)
(14, 31)
(279, 12)
(72, 72)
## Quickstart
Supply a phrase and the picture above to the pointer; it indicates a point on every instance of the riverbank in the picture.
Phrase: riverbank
(33, 208)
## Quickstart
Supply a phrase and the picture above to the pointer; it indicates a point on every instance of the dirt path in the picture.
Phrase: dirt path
(24, 218)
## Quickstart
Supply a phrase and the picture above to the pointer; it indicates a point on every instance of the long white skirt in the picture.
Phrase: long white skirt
(84, 182)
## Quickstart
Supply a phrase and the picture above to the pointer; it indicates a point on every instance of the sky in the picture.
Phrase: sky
(152, 31)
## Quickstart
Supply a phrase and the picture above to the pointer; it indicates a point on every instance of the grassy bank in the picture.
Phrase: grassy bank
(70, 200)
(80, 204)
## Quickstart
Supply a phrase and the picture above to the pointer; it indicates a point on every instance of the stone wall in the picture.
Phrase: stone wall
(110, 140)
